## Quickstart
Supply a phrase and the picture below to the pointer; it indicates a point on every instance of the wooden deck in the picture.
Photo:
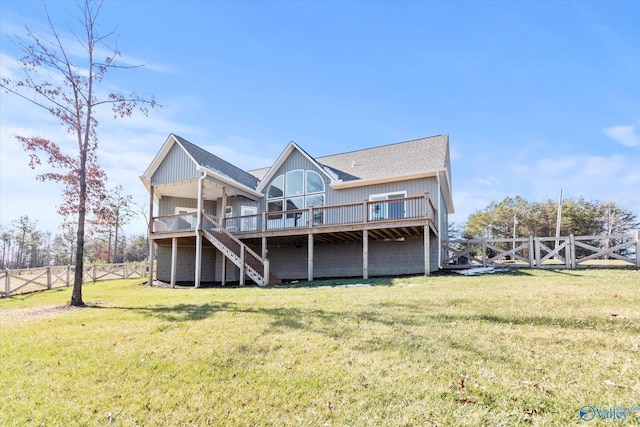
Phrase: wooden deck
(387, 219)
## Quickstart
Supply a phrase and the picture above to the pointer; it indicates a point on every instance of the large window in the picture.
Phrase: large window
(387, 208)
(294, 191)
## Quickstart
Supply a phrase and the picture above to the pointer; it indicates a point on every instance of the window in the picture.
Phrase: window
(228, 212)
(276, 188)
(294, 191)
(294, 184)
(386, 209)
(315, 184)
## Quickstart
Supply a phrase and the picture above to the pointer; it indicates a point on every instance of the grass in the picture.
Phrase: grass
(528, 347)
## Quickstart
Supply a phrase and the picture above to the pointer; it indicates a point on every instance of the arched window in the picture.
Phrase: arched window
(276, 189)
(297, 189)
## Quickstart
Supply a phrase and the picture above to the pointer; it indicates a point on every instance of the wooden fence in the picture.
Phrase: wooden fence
(37, 279)
(620, 250)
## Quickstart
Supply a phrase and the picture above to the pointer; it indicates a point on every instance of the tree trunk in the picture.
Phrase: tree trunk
(76, 295)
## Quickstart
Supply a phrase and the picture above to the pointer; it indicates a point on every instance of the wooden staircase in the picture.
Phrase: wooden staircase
(250, 263)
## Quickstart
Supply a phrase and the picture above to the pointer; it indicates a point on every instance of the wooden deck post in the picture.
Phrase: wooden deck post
(264, 247)
(310, 258)
(365, 211)
(223, 275)
(152, 246)
(266, 271)
(427, 258)
(242, 265)
(174, 261)
(365, 253)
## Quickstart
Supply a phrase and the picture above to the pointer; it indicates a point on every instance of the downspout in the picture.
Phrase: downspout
(439, 222)
(199, 227)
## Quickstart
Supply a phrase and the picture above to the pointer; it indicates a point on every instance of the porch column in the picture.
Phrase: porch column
(198, 230)
(174, 261)
(152, 245)
(427, 263)
(365, 254)
(264, 247)
(310, 258)
(223, 214)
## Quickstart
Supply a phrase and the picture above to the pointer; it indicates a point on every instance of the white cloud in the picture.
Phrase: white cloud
(625, 135)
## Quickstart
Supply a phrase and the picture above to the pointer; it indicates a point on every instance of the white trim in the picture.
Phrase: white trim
(281, 159)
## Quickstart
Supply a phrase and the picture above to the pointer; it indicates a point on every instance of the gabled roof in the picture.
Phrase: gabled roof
(285, 154)
(216, 164)
(202, 159)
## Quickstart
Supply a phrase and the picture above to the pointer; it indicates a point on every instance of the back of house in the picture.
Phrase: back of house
(373, 212)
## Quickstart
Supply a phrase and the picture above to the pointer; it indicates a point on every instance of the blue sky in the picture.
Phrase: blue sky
(535, 96)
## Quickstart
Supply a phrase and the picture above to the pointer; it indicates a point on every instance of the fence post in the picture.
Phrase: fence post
(484, 252)
(531, 256)
(638, 249)
(49, 277)
(126, 276)
(68, 274)
(7, 284)
(537, 243)
(94, 273)
(572, 251)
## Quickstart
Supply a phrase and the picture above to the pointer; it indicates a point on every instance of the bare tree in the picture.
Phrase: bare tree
(68, 88)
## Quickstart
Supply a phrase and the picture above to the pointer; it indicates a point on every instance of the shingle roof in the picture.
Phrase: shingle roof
(216, 164)
(400, 159)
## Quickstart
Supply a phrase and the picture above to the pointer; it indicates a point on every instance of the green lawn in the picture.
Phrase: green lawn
(528, 347)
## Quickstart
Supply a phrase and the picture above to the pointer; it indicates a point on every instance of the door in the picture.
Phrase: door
(251, 223)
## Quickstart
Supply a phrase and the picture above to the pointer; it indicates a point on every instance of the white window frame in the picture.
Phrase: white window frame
(382, 213)
(248, 224)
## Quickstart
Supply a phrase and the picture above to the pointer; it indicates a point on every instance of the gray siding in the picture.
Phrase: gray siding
(416, 187)
(176, 166)
(168, 205)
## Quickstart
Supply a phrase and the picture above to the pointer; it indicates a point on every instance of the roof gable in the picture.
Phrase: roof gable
(281, 159)
(214, 163)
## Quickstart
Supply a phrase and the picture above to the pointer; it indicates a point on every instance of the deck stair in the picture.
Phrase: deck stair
(250, 263)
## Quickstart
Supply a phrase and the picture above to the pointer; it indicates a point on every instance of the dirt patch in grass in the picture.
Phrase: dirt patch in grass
(15, 316)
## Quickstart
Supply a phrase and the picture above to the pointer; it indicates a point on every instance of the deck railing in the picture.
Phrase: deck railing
(367, 211)
(390, 210)
(170, 223)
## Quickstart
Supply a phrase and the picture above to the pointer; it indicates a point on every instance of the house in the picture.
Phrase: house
(373, 212)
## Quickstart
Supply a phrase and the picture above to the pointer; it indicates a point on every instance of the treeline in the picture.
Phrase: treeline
(516, 217)
(22, 245)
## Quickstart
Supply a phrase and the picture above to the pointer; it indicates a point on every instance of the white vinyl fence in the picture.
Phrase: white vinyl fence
(19, 281)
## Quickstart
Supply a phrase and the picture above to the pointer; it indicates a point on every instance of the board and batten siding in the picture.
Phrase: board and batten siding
(168, 205)
(176, 166)
(415, 187)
